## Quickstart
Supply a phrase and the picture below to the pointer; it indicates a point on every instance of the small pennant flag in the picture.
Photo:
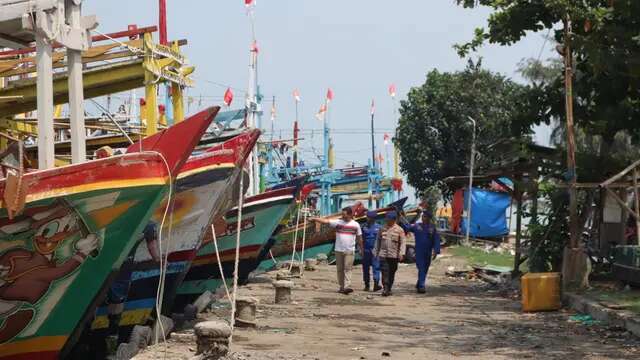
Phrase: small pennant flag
(228, 97)
(322, 112)
(380, 158)
(329, 94)
(373, 106)
(254, 46)
(386, 139)
(296, 95)
(248, 3)
(392, 91)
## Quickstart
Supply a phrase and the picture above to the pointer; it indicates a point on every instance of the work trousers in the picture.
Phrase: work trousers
(344, 265)
(388, 266)
(370, 263)
(423, 261)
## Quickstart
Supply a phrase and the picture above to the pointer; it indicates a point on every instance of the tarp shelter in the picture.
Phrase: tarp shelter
(488, 213)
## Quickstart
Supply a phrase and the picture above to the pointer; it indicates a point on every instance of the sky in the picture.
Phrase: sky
(355, 47)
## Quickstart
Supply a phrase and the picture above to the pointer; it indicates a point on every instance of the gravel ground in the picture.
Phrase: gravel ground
(455, 319)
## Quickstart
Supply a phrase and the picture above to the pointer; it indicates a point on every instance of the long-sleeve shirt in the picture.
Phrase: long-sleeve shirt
(370, 235)
(391, 242)
(427, 238)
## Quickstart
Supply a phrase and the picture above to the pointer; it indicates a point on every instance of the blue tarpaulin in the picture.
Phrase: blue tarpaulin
(488, 213)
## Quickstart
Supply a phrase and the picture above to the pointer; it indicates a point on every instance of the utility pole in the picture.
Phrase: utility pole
(574, 264)
(472, 161)
(571, 143)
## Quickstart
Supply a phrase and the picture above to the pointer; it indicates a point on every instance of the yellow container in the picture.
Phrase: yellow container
(541, 292)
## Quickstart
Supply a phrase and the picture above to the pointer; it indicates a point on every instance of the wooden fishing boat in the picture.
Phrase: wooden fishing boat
(206, 187)
(261, 215)
(79, 222)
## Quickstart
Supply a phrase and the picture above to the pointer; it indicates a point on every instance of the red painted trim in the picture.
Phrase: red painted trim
(243, 250)
(177, 142)
(234, 151)
(96, 38)
(185, 255)
(117, 168)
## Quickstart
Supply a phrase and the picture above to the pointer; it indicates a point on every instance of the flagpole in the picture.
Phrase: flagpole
(295, 137)
(373, 149)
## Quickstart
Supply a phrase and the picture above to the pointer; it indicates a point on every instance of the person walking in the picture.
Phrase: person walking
(390, 249)
(427, 247)
(370, 263)
(348, 233)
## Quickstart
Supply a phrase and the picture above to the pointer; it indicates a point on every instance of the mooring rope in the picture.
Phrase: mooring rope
(304, 237)
(295, 239)
(237, 260)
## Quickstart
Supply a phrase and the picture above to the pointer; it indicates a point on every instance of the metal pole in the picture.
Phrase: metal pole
(76, 91)
(295, 138)
(471, 165)
(46, 149)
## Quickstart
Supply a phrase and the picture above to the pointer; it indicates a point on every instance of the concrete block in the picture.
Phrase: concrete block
(157, 331)
(203, 301)
(212, 339)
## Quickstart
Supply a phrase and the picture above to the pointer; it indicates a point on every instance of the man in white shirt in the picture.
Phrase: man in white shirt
(348, 233)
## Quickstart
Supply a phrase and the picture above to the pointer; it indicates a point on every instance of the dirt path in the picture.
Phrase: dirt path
(456, 319)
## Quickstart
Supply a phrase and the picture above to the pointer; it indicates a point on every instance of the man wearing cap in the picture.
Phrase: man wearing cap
(348, 233)
(370, 262)
(427, 247)
(390, 249)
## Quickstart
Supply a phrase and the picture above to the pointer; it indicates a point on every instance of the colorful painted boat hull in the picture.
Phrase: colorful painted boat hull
(58, 256)
(48, 286)
(261, 215)
(206, 187)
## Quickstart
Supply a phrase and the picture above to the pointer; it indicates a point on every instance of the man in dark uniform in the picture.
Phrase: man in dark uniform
(427, 247)
(370, 262)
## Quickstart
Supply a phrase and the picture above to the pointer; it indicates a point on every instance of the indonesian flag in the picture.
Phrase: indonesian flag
(228, 97)
(322, 112)
(296, 95)
(248, 3)
(386, 139)
(392, 91)
(373, 106)
(329, 95)
(254, 46)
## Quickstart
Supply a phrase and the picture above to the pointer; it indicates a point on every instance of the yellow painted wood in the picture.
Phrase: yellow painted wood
(151, 89)
(176, 95)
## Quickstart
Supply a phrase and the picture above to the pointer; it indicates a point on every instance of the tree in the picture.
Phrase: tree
(606, 43)
(434, 132)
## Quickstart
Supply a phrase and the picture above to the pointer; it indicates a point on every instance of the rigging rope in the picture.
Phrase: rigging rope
(304, 237)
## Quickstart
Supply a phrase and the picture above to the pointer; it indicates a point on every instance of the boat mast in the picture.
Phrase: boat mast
(252, 103)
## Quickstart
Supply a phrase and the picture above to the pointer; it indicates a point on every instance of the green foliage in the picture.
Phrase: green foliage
(549, 235)
(605, 41)
(434, 132)
(477, 256)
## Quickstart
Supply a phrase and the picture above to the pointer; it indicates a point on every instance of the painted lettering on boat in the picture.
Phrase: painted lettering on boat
(48, 243)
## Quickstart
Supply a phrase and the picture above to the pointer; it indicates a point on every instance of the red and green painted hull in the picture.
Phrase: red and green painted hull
(78, 225)
(206, 187)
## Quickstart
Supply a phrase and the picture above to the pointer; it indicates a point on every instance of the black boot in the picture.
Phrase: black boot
(376, 287)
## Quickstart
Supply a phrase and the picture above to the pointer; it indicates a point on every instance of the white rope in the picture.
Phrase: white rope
(133, 49)
(162, 263)
(237, 260)
(272, 258)
(295, 239)
(304, 237)
(215, 245)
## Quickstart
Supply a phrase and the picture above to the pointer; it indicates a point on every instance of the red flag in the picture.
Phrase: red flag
(392, 90)
(296, 95)
(329, 94)
(386, 139)
(228, 97)
(373, 106)
(321, 113)
(248, 3)
(254, 47)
